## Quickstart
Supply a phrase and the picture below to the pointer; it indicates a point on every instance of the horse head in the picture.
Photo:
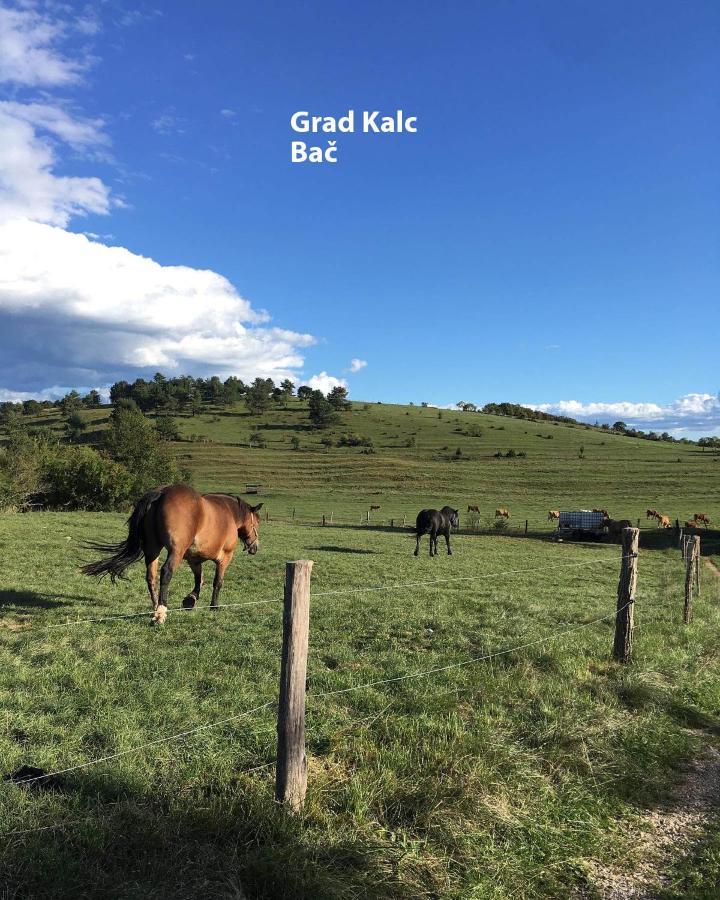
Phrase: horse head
(248, 526)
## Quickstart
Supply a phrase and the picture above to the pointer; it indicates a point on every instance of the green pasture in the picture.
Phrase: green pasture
(501, 778)
(415, 464)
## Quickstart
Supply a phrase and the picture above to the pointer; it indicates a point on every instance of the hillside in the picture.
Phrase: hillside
(414, 463)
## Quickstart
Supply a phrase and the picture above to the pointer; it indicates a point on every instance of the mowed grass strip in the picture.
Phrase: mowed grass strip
(501, 778)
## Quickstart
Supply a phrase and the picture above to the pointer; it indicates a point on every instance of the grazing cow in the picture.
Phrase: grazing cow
(664, 521)
(475, 509)
(651, 514)
(702, 517)
(435, 522)
(553, 514)
(503, 513)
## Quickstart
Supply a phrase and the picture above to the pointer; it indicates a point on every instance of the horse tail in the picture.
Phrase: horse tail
(126, 552)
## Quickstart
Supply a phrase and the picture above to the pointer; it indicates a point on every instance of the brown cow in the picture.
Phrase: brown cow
(702, 517)
(553, 514)
(664, 521)
(502, 512)
(474, 509)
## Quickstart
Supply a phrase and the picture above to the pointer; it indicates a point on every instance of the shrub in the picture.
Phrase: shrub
(295, 442)
(351, 439)
(257, 440)
(327, 441)
(82, 478)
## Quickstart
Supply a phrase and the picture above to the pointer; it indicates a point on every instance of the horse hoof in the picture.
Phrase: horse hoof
(159, 617)
(189, 601)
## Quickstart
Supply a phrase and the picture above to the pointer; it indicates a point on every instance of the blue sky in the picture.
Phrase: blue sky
(549, 235)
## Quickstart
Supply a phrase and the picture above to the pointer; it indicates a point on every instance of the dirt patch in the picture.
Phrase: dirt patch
(672, 828)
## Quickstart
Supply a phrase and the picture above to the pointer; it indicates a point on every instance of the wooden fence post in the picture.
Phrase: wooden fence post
(323, 519)
(526, 525)
(291, 774)
(692, 565)
(625, 615)
(697, 564)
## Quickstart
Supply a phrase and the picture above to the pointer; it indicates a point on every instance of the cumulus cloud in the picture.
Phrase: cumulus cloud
(108, 308)
(74, 311)
(324, 382)
(691, 412)
(357, 364)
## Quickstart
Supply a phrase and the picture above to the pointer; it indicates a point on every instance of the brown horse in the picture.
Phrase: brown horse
(191, 526)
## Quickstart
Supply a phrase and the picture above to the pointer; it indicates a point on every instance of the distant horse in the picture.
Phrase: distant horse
(664, 521)
(435, 522)
(651, 514)
(502, 512)
(553, 514)
(702, 517)
(191, 526)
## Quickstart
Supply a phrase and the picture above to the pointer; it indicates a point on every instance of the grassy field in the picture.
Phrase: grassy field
(622, 474)
(502, 778)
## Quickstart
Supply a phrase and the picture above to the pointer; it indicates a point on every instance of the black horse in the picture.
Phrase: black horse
(435, 522)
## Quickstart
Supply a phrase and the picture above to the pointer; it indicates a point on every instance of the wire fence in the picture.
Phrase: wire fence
(189, 733)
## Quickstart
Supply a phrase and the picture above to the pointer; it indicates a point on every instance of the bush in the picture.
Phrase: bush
(327, 441)
(81, 478)
(258, 441)
(295, 442)
(354, 440)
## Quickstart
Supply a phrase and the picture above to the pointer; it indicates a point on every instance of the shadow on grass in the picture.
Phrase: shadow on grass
(333, 548)
(224, 842)
(28, 600)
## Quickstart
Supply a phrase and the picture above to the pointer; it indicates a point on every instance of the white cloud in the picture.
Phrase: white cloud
(28, 186)
(228, 113)
(127, 310)
(357, 364)
(324, 382)
(78, 133)
(693, 412)
(74, 310)
(168, 122)
(29, 54)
